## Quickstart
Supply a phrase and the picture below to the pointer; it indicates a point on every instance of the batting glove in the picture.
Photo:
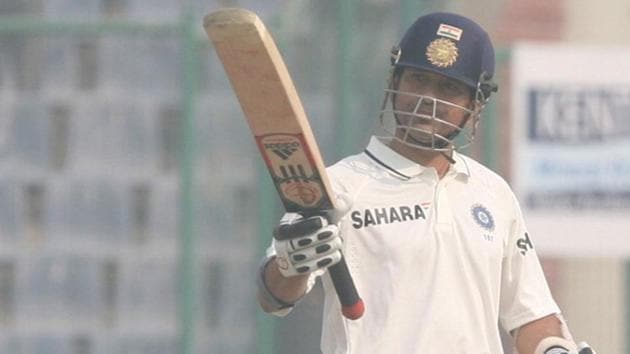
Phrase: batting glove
(584, 348)
(305, 245)
(556, 345)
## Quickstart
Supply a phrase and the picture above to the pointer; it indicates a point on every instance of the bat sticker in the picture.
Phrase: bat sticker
(293, 172)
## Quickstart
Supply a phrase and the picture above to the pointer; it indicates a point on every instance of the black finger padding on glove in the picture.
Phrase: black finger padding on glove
(298, 229)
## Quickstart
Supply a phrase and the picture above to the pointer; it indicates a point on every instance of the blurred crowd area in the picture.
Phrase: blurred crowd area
(133, 204)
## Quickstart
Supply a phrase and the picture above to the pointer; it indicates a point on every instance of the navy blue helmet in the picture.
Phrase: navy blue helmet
(451, 45)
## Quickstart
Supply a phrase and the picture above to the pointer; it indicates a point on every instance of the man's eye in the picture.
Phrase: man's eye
(416, 78)
(452, 88)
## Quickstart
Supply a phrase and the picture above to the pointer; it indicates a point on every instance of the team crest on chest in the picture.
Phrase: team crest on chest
(483, 217)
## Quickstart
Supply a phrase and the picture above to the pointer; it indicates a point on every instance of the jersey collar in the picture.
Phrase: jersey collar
(402, 167)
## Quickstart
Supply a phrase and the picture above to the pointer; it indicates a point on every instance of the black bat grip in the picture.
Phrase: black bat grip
(352, 306)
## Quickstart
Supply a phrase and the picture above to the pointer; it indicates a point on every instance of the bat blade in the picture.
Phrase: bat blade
(279, 124)
(273, 108)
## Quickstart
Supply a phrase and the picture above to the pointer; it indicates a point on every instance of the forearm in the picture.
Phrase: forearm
(288, 290)
(530, 335)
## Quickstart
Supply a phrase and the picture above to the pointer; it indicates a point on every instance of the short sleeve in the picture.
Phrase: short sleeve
(525, 295)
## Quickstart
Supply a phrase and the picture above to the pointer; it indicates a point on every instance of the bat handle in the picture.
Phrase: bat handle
(352, 306)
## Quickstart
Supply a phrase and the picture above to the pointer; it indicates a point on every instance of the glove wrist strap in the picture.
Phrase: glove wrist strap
(267, 295)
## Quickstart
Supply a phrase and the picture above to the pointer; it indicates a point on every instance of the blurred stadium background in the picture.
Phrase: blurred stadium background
(134, 207)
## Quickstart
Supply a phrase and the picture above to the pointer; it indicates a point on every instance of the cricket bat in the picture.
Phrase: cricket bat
(279, 124)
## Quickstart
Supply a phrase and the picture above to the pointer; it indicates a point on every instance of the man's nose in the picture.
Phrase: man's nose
(425, 102)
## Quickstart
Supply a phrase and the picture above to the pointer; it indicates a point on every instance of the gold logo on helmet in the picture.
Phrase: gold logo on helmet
(442, 53)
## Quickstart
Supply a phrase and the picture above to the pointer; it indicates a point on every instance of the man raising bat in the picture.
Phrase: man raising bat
(434, 241)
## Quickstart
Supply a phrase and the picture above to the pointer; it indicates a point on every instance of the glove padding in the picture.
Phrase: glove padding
(557, 345)
(584, 348)
(304, 245)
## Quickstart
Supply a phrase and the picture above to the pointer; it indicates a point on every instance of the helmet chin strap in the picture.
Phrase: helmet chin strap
(448, 157)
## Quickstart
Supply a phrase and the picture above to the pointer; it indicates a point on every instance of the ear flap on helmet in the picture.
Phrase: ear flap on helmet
(486, 85)
(395, 55)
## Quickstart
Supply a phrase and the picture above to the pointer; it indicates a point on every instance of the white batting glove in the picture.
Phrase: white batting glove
(584, 348)
(556, 345)
(305, 245)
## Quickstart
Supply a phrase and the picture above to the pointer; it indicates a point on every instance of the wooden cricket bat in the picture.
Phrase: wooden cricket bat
(277, 119)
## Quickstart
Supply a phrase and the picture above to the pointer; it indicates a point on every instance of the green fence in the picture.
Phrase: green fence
(338, 59)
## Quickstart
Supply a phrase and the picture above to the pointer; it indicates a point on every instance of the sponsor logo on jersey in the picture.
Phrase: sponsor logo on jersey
(525, 244)
(482, 216)
(386, 215)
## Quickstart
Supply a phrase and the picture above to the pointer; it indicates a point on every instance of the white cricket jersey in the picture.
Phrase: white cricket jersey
(438, 262)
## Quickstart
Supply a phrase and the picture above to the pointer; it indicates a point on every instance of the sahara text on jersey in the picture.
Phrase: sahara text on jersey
(387, 215)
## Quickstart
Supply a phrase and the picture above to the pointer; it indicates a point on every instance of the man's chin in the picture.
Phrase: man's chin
(417, 136)
(421, 139)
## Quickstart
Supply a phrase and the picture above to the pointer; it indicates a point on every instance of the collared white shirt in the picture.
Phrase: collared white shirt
(438, 262)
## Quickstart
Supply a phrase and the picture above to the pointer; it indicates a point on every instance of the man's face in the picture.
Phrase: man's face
(433, 113)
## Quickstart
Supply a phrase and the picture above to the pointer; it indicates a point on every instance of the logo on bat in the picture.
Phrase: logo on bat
(283, 150)
(292, 169)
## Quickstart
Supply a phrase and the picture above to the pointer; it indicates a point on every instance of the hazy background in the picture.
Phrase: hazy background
(134, 207)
